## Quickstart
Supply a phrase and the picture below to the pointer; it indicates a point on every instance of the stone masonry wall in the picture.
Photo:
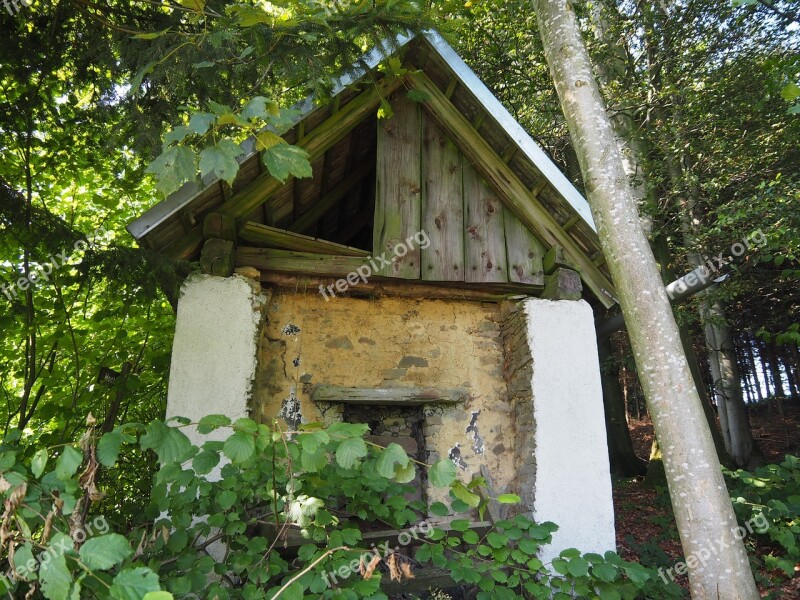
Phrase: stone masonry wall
(390, 342)
(518, 373)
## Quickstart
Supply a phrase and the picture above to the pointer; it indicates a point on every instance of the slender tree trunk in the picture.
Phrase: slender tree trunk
(775, 370)
(700, 500)
(750, 345)
(622, 456)
(762, 358)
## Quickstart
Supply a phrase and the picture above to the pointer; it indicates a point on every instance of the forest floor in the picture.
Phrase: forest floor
(645, 526)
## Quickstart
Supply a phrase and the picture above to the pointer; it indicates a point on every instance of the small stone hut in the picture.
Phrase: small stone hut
(433, 278)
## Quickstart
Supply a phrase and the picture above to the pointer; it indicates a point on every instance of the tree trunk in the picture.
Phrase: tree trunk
(728, 389)
(700, 501)
(775, 370)
(752, 361)
(621, 454)
(762, 358)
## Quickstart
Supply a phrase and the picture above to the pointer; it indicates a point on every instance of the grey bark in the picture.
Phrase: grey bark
(700, 500)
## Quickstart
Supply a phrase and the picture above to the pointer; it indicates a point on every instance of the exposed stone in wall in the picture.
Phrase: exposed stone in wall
(518, 369)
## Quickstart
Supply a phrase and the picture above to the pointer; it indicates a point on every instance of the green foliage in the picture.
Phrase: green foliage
(266, 497)
(767, 504)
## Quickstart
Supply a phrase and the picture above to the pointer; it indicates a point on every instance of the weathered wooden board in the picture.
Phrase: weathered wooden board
(272, 237)
(484, 237)
(406, 396)
(442, 205)
(524, 252)
(398, 186)
(516, 195)
(289, 261)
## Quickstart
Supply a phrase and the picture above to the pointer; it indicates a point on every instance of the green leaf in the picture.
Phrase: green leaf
(283, 160)
(293, 592)
(418, 95)
(226, 499)
(199, 122)
(239, 447)
(463, 494)
(605, 572)
(134, 584)
(439, 509)
(790, 92)
(405, 474)
(636, 573)
(211, 422)
(350, 451)
(169, 443)
(220, 160)
(205, 461)
(22, 556)
(443, 473)
(158, 596)
(172, 168)
(314, 460)
(390, 456)
(177, 134)
(460, 524)
(39, 462)
(195, 5)
(509, 499)
(56, 578)
(105, 551)
(260, 107)
(578, 567)
(68, 463)
(108, 448)
(266, 140)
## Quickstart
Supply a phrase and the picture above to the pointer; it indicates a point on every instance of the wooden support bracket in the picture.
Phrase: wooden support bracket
(218, 257)
(563, 284)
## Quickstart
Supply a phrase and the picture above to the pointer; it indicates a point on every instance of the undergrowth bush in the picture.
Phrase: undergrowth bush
(770, 496)
(261, 513)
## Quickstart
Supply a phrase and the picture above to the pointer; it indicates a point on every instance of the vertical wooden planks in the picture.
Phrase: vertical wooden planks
(484, 234)
(524, 251)
(397, 195)
(442, 205)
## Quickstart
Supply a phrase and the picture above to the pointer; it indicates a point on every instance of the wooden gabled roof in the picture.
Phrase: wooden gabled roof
(339, 137)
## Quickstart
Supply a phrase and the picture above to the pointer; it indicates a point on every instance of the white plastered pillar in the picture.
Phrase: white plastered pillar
(214, 351)
(567, 465)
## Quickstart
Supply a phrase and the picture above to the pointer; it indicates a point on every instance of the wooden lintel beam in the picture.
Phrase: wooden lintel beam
(509, 153)
(384, 286)
(519, 199)
(400, 396)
